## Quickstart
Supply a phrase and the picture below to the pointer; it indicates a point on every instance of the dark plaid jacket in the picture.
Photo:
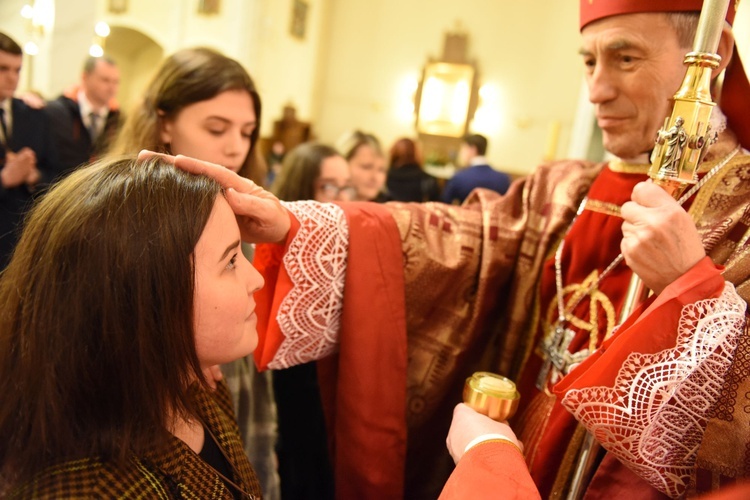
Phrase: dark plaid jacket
(175, 473)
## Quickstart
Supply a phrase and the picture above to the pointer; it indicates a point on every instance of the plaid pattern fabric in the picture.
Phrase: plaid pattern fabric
(175, 473)
(255, 408)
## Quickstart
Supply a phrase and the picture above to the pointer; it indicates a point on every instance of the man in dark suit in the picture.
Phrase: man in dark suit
(478, 174)
(28, 160)
(85, 119)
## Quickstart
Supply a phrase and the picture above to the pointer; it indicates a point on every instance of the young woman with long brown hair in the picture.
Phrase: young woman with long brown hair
(128, 284)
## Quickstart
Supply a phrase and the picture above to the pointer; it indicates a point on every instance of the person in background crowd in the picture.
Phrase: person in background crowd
(28, 157)
(314, 171)
(477, 174)
(310, 171)
(178, 113)
(86, 118)
(406, 180)
(367, 165)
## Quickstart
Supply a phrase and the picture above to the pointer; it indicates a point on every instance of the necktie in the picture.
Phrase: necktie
(93, 129)
(4, 127)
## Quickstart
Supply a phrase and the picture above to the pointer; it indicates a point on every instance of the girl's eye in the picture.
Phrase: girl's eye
(232, 262)
(215, 132)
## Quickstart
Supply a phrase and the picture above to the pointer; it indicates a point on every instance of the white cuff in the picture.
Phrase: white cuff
(487, 437)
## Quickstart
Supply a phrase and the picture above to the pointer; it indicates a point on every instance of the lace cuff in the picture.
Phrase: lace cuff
(654, 418)
(310, 315)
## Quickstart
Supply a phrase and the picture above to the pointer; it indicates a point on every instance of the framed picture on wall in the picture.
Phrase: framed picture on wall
(209, 7)
(299, 19)
(117, 6)
(444, 99)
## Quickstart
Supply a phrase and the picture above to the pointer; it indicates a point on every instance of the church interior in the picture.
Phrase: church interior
(339, 65)
(437, 96)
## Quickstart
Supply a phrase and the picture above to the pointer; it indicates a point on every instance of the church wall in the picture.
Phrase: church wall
(359, 61)
(525, 51)
(255, 32)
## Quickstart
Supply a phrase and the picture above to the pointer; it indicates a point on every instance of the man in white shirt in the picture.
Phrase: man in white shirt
(85, 119)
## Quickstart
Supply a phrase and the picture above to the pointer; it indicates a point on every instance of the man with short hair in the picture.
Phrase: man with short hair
(28, 160)
(86, 119)
(666, 393)
(477, 174)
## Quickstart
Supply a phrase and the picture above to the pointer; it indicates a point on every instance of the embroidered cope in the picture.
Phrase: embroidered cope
(654, 417)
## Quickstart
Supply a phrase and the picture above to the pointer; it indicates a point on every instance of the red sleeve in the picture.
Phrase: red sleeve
(363, 387)
(651, 328)
(490, 470)
(268, 261)
(366, 406)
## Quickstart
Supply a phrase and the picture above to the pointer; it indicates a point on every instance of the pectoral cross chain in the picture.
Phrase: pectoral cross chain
(557, 358)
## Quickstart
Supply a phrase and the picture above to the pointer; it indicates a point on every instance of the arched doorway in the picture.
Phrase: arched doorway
(138, 56)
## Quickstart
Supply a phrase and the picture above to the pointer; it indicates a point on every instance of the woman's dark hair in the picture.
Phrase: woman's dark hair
(97, 348)
(186, 77)
(404, 152)
(300, 170)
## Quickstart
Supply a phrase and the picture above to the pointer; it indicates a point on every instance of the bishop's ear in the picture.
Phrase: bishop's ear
(725, 50)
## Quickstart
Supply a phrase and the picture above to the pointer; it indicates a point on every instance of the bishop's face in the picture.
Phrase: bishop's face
(634, 67)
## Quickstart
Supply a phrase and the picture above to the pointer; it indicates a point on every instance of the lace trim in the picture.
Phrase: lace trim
(654, 418)
(310, 315)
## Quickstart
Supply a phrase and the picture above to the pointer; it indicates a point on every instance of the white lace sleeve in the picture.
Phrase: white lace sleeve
(654, 418)
(310, 315)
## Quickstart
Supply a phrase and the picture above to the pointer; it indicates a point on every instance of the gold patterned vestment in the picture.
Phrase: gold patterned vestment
(471, 277)
(473, 297)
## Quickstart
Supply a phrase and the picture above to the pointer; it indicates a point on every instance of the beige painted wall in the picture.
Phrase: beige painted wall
(151, 30)
(526, 51)
(255, 32)
(742, 33)
(360, 59)
(286, 68)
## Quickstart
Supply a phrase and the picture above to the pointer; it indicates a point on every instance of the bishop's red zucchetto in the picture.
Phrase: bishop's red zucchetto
(592, 10)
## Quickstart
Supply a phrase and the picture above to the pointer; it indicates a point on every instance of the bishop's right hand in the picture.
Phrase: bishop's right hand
(660, 242)
(260, 215)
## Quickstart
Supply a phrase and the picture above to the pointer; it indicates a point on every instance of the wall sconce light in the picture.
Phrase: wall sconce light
(40, 18)
(101, 31)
